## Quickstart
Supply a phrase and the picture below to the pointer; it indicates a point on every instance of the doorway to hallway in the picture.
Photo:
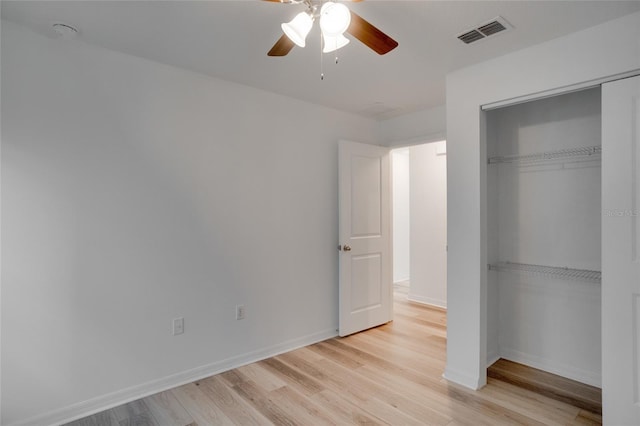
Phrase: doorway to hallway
(420, 223)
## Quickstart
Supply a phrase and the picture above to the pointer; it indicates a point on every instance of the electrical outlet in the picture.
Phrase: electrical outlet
(178, 326)
(239, 312)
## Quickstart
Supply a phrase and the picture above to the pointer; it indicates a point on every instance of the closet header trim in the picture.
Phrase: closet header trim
(558, 91)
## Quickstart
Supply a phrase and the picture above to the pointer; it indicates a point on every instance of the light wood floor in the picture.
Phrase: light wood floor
(388, 375)
(556, 387)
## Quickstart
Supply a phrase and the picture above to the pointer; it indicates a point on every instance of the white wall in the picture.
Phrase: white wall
(429, 224)
(546, 214)
(422, 126)
(133, 193)
(401, 214)
(604, 50)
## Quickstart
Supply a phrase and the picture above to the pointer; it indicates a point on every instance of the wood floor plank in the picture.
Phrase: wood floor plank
(104, 418)
(417, 353)
(431, 324)
(590, 392)
(390, 375)
(560, 388)
(587, 418)
(199, 406)
(233, 377)
(345, 411)
(538, 407)
(329, 352)
(408, 333)
(266, 406)
(390, 414)
(167, 410)
(510, 394)
(135, 413)
(305, 383)
(428, 314)
(305, 367)
(396, 398)
(229, 402)
(446, 408)
(366, 394)
(308, 355)
(262, 377)
(392, 360)
(437, 396)
(304, 410)
(484, 408)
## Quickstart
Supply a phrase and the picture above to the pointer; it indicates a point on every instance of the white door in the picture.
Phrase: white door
(621, 252)
(365, 237)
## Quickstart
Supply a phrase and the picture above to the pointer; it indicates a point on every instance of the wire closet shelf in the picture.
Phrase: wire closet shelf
(551, 271)
(586, 153)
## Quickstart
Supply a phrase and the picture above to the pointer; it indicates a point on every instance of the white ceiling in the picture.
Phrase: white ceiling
(230, 39)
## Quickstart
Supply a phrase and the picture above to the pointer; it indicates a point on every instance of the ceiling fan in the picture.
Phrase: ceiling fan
(335, 19)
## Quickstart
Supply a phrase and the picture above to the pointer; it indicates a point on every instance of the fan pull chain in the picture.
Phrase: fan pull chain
(321, 59)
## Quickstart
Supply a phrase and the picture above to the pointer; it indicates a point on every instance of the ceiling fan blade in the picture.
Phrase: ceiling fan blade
(282, 46)
(370, 35)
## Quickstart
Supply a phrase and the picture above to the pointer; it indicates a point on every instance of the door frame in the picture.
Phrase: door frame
(407, 144)
(483, 185)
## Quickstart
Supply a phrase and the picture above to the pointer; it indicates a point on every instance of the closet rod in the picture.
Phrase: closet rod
(559, 272)
(580, 153)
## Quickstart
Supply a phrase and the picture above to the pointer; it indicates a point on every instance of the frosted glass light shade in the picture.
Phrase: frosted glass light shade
(298, 28)
(334, 19)
(334, 43)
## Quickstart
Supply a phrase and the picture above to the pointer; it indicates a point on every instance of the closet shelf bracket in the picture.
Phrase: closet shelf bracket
(551, 271)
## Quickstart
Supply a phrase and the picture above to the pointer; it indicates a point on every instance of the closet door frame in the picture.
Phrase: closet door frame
(608, 415)
(620, 251)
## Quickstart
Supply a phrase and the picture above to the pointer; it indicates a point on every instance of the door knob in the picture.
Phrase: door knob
(346, 248)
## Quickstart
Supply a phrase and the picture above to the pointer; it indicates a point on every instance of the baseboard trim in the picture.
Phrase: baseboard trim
(492, 358)
(570, 372)
(463, 379)
(114, 399)
(427, 301)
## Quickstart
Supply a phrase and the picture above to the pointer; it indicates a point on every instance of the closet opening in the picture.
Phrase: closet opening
(543, 236)
(419, 176)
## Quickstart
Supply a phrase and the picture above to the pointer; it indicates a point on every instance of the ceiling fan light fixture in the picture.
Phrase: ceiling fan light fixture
(334, 43)
(298, 28)
(334, 19)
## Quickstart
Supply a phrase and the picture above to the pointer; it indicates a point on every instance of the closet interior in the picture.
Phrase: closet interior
(544, 235)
